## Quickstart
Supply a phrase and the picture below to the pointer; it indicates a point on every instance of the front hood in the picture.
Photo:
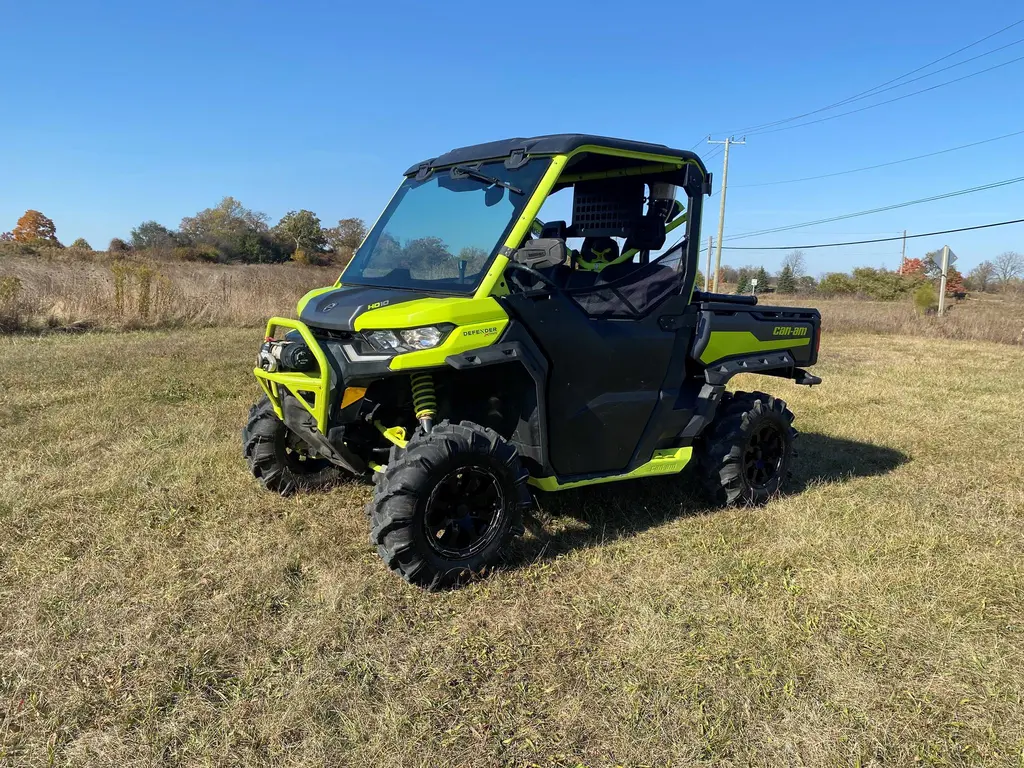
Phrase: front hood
(338, 309)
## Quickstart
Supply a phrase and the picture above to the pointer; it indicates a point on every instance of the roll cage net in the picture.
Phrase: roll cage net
(633, 292)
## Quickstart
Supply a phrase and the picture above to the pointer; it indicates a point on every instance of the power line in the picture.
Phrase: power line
(945, 195)
(872, 91)
(713, 156)
(948, 55)
(881, 165)
(866, 242)
(931, 74)
(887, 101)
(880, 89)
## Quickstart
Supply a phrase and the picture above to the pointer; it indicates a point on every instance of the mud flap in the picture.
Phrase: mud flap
(300, 421)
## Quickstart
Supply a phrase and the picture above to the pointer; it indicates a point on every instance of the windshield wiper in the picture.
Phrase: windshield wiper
(462, 171)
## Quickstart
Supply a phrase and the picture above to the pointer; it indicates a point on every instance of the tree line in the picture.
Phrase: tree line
(999, 274)
(228, 232)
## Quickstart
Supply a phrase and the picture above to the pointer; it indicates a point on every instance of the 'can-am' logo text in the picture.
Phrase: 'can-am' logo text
(789, 330)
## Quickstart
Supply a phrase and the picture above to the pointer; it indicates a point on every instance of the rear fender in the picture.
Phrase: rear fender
(728, 331)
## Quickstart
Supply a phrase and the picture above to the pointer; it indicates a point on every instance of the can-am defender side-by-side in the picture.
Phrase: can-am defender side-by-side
(471, 351)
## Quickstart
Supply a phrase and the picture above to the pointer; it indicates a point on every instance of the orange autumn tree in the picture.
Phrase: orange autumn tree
(921, 268)
(954, 281)
(34, 227)
(913, 268)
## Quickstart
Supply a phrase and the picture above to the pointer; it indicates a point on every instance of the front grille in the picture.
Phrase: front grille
(326, 334)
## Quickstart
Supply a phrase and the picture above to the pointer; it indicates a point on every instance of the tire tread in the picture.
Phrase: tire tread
(406, 479)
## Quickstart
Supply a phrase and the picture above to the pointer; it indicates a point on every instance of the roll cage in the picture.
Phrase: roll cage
(604, 168)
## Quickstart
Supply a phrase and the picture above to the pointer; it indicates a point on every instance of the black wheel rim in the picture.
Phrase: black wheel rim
(463, 512)
(763, 455)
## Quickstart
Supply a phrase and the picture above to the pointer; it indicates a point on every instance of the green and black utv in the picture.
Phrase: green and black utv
(478, 346)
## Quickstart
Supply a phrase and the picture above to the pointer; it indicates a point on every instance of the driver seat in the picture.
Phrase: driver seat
(594, 255)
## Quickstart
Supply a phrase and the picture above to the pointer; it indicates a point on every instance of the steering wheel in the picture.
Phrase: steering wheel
(534, 274)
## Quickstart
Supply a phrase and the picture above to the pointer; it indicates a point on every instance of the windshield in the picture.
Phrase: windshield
(440, 234)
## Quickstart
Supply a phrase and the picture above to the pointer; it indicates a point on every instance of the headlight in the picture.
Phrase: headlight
(383, 341)
(407, 340)
(422, 338)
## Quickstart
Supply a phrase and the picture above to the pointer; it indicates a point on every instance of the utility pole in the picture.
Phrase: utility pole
(707, 272)
(942, 280)
(721, 205)
(903, 258)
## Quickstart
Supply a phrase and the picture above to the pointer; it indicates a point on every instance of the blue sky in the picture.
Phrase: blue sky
(120, 112)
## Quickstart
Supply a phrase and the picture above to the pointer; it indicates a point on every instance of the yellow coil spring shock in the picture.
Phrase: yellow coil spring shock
(424, 400)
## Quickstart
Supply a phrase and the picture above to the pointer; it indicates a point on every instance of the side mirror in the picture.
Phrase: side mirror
(541, 253)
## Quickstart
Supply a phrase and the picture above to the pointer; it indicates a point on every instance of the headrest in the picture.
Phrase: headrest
(596, 253)
(553, 229)
(649, 234)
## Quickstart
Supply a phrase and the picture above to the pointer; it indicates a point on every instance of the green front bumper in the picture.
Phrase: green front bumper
(312, 390)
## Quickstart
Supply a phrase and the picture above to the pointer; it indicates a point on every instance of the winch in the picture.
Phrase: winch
(285, 356)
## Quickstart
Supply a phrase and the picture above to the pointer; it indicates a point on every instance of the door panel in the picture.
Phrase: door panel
(604, 380)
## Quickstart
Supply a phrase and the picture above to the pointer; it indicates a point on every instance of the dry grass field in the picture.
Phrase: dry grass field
(158, 608)
(65, 290)
(93, 291)
(981, 317)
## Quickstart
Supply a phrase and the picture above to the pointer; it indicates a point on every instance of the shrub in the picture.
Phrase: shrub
(150, 288)
(81, 244)
(143, 280)
(201, 252)
(10, 309)
(807, 283)
(117, 245)
(10, 287)
(120, 270)
(342, 256)
(925, 299)
(836, 284)
(880, 284)
(311, 258)
(14, 248)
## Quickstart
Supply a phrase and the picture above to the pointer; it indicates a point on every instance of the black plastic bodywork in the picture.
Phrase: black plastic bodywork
(764, 323)
(603, 380)
(338, 309)
(518, 150)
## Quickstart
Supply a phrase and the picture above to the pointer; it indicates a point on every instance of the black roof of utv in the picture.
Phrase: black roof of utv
(555, 144)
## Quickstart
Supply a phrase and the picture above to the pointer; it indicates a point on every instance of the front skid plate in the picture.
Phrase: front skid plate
(301, 422)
